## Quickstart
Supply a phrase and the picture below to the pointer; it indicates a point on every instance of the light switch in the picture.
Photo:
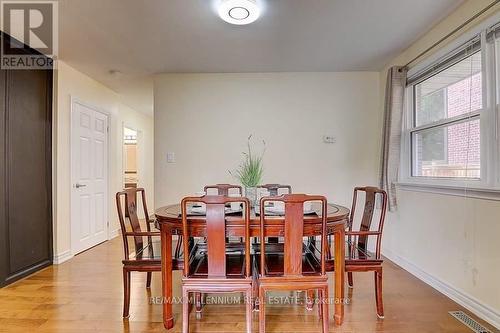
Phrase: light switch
(170, 157)
(329, 139)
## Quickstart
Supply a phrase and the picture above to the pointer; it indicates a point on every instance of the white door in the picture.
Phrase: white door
(89, 174)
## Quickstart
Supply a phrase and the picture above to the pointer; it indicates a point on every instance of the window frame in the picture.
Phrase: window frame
(488, 116)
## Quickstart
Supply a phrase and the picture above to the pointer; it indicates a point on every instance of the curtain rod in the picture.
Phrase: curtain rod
(485, 9)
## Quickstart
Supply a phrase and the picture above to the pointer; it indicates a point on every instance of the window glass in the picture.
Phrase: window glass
(450, 151)
(452, 92)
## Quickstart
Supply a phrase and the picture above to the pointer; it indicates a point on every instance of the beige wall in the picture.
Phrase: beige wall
(450, 241)
(71, 83)
(206, 118)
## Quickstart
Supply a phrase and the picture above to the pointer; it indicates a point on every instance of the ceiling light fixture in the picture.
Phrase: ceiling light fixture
(239, 12)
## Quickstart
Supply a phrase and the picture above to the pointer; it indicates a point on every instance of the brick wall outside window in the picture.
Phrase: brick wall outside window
(464, 139)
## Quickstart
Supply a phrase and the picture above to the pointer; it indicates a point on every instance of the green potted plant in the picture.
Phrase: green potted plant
(250, 172)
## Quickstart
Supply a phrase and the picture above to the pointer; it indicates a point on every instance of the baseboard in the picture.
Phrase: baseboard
(26, 272)
(62, 257)
(470, 303)
(114, 233)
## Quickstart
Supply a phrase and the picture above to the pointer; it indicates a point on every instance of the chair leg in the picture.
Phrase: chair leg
(378, 293)
(329, 253)
(262, 310)
(320, 305)
(376, 289)
(185, 310)
(255, 293)
(148, 279)
(126, 293)
(325, 309)
(309, 299)
(249, 308)
(350, 281)
(198, 301)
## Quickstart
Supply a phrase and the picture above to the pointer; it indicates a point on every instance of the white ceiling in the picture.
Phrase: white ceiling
(142, 38)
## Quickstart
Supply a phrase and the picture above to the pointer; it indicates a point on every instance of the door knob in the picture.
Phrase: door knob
(80, 185)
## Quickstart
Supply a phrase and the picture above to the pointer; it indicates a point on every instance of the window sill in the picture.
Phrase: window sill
(453, 190)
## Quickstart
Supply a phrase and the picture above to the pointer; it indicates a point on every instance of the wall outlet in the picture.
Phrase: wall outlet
(329, 139)
(170, 157)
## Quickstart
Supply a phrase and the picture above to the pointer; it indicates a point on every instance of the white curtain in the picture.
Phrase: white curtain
(391, 143)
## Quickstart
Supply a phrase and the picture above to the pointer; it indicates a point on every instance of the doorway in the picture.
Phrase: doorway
(89, 176)
(130, 158)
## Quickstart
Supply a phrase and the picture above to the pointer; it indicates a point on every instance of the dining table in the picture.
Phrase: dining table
(169, 221)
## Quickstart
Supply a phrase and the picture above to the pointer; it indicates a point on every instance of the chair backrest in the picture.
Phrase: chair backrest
(274, 188)
(371, 194)
(223, 189)
(128, 212)
(294, 231)
(216, 232)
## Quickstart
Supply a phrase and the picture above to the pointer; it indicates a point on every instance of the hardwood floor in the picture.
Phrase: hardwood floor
(85, 295)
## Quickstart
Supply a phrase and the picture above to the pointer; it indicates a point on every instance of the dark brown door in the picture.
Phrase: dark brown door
(25, 172)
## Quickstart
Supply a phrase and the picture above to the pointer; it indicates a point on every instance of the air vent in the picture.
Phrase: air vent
(469, 322)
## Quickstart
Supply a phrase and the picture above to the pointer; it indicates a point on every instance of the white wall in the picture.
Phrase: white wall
(68, 83)
(451, 242)
(206, 119)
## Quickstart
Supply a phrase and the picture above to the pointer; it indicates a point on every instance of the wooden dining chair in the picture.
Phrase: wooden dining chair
(217, 270)
(274, 189)
(223, 189)
(293, 269)
(146, 255)
(358, 257)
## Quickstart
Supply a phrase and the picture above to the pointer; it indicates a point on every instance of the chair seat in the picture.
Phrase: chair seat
(356, 255)
(150, 253)
(235, 265)
(275, 264)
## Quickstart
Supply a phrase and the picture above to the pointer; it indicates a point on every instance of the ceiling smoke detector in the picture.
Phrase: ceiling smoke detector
(239, 12)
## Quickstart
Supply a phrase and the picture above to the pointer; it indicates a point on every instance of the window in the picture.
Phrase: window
(451, 121)
(446, 133)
